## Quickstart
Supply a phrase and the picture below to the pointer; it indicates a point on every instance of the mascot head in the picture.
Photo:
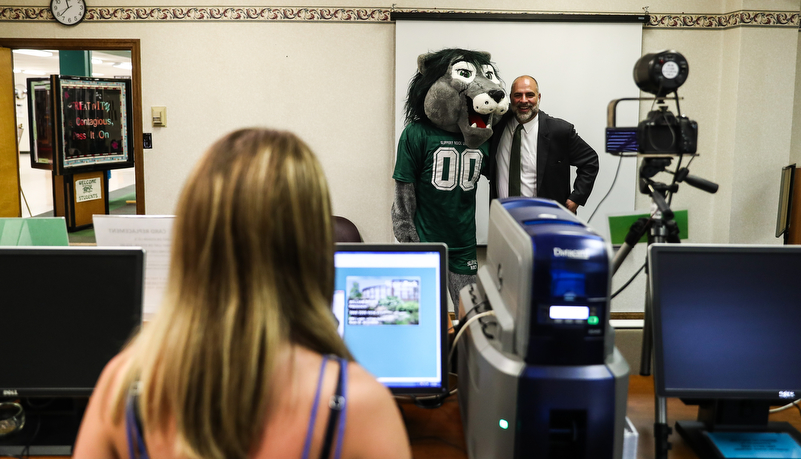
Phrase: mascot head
(459, 91)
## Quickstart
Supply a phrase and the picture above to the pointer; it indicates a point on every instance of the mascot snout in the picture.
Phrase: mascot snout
(491, 102)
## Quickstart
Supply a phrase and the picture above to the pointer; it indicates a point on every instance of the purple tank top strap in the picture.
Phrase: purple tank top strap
(136, 442)
(342, 405)
(313, 417)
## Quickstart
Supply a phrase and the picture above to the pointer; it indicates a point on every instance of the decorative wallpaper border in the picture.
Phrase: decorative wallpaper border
(348, 14)
(726, 21)
(150, 13)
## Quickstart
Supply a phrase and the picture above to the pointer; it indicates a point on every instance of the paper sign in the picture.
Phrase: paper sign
(755, 445)
(151, 232)
(88, 190)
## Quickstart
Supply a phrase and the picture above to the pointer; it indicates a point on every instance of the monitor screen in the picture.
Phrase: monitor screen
(66, 311)
(726, 321)
(389, 300)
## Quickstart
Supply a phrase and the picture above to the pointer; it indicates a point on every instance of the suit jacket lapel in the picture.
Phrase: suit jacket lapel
(543, 145)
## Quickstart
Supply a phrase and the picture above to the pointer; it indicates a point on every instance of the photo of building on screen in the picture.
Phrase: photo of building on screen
(383, 300)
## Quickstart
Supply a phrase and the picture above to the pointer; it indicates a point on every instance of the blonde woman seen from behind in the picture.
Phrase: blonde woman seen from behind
(233, 362)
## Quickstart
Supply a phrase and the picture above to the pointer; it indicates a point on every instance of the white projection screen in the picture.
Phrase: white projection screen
(580, 67)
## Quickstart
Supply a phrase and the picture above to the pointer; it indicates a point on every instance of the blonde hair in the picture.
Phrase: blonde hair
(251, 271)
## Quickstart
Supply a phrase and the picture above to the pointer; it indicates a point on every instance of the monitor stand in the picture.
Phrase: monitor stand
(740, 416)
(50, 429)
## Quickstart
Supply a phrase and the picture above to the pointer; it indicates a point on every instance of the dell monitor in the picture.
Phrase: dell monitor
(66, 311)
(725, 321)
(390, 304)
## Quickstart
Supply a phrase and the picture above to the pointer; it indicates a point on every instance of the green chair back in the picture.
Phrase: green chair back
(37, 231)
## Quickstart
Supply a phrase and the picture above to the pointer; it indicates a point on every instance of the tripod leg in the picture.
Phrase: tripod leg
(661, 429)
(647, 335)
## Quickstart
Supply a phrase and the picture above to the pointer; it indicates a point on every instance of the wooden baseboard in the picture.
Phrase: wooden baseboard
(627, 316)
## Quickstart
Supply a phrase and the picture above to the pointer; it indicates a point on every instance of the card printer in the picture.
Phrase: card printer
(541, 378)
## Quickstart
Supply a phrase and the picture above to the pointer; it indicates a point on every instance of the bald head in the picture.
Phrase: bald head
(525, 98)
(529, 80)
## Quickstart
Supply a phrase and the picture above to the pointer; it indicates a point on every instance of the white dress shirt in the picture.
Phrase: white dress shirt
(528, 158)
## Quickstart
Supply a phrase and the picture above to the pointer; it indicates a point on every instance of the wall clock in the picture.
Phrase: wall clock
(68, 12)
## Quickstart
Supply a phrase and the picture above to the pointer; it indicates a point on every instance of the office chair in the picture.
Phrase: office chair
(345, 230)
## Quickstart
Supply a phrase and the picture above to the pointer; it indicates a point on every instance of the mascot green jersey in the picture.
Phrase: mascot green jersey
(444, 172)
(453, 101)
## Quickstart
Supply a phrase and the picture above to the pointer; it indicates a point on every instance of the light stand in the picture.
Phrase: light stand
(661, 136)
(661, 228)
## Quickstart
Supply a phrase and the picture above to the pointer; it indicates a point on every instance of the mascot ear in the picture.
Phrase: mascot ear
(421, 62)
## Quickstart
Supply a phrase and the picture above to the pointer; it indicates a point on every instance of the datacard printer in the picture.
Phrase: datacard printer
(541, 378)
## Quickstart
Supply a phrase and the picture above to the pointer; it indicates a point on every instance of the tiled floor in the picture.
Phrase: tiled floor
(37, 187)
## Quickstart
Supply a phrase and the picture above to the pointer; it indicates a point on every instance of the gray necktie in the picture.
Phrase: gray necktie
(514, 163)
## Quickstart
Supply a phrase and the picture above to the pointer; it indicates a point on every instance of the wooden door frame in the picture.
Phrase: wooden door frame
(103, 44)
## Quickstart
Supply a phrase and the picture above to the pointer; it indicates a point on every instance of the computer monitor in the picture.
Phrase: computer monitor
(66, 311)
(725, 321)
(785, 201)
(390, 302)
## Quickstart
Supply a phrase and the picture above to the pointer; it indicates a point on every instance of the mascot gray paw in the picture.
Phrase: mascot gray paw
(403, 208)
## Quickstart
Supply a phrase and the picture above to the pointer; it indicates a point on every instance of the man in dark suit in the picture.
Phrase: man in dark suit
(548, 147)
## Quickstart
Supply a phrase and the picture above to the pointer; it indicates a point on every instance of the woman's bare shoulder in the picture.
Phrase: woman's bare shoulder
(111, 378)
(364, 386)
(101, 435)
(374, 422)
(373, 425)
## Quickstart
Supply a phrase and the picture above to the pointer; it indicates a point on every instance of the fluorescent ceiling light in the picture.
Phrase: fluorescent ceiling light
(33, 52)
(96, 61)
(17, 71)
(33, 72)
(123, 65)
(97, 74)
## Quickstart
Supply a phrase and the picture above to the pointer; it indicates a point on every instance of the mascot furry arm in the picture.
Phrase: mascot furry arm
(403, 209)
(455, 90)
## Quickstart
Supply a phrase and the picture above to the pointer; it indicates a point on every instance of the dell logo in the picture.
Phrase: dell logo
(578, 254)
(787, 394)
(7, 392)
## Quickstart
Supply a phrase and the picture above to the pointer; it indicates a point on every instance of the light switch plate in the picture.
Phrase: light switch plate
(159, 115)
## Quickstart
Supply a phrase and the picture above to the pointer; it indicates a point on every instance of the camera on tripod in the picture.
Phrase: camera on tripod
(661, 132)
(658, 138)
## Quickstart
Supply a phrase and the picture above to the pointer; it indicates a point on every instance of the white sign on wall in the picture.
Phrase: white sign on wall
(151, 232)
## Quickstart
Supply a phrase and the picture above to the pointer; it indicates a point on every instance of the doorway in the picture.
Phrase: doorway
(109, 46)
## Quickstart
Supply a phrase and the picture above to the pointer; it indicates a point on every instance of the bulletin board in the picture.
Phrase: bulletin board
(94, 124)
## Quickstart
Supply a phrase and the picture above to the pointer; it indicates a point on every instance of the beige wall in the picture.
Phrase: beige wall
(795, 148)
(762, 131)
(331, 82)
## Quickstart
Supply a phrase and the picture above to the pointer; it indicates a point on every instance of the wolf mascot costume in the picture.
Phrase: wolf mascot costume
(454, 100)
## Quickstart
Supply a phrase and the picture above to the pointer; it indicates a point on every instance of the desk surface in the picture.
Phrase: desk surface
(438, 433)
